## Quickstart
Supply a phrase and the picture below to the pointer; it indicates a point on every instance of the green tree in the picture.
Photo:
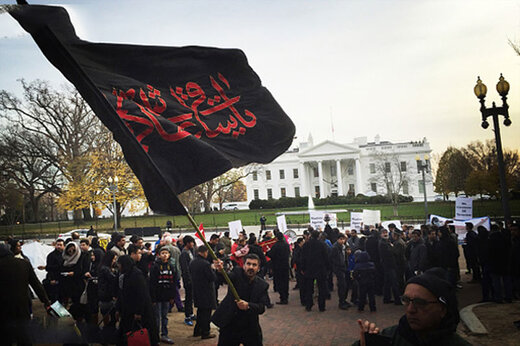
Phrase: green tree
(452, 172)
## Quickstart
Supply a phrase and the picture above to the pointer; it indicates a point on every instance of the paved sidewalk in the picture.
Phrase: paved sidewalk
(292, 325)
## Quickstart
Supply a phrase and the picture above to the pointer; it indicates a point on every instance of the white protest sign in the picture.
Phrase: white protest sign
(317, 219)
(397, 224)
(460, 225)
(371, 217)
(235, 227)
(356, 219)
(463, 208)
(282, 223)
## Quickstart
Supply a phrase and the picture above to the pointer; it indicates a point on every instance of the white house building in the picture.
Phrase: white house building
(363, 167)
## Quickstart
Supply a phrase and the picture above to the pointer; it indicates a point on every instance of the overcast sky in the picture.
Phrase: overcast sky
(401, 69)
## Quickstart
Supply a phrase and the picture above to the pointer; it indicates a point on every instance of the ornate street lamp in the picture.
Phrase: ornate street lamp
(424, 167)
(113, 187)
(502, 89)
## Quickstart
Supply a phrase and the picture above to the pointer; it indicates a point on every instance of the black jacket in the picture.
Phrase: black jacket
(364, 270)
(386, 254)
(337, 258)
(135, 298)
(418, 255)
(53, 265)
(163, 279)
(315, 259)
(107, 284)
(448, 253)
(17, 274)
(185, 259)
(203, 282)
(255, 293)
(279, 255)
(372, 247)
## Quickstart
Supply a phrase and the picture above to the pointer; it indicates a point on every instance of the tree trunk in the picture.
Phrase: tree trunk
(86, 214)
(77, 216)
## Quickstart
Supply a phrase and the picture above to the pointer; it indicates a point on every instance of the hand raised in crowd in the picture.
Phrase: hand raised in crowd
(218, 265)
(243, 305)
(366, 327)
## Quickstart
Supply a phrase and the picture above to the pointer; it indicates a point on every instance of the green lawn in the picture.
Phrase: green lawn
(407, 211)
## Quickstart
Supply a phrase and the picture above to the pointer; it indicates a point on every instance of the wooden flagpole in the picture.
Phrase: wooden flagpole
(212, 253)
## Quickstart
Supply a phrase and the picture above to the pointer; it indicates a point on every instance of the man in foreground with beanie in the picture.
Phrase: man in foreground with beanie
(431, 315)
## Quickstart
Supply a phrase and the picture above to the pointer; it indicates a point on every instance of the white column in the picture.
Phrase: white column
(359, 184)
(320, 179)
(340, 179)
(304, 182)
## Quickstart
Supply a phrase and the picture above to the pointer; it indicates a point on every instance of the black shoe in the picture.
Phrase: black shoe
(282, 302)
(269, 306)
(322, 310)
(196, 334)
(308, 308)
(209, 336)
(344, 307)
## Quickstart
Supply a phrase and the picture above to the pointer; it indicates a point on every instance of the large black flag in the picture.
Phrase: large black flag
(182, 115)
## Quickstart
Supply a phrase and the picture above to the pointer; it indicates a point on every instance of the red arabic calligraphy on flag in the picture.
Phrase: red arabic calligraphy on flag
(197, 121)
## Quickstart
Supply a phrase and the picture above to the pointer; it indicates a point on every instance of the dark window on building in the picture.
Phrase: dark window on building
(295, 173)
(283, 192)
(296, 191)
(255, 193)
(387, 167)
(255, 175)
(316, 173)
(317, 191)
(269, 193)
(403, 166)
(373, 187)
(282, 174)
(268, 175)
(372, 168)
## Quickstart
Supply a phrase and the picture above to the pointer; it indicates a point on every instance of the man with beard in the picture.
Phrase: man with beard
(53, 268)
(238, 320)
(431, 315)
(279, 255)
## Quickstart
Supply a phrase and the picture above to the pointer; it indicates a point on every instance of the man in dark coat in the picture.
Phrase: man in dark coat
(203, 279)
(387, 258)
(339, 268)
(418, 260)
(53, 268)
(315, 266)
(238, 320)
(471, 242)
(135, 303)
(448, 254)
(296, 262)
(499, 247)
(185, 259)
(399, 249)
(17, 274)
(372, 247)
(279, 255)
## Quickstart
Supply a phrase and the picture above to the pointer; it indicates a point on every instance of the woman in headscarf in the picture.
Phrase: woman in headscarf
(73, 272)
(135, 303)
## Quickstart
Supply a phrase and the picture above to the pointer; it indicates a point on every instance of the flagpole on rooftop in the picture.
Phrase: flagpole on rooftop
(223, 272)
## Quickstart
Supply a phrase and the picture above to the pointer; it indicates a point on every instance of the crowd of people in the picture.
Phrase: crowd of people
(127, 286)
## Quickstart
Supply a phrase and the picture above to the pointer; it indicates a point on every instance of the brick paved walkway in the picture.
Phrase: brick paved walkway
(292, 325)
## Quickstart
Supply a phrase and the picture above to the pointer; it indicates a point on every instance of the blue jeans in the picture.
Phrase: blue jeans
(161, 315)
